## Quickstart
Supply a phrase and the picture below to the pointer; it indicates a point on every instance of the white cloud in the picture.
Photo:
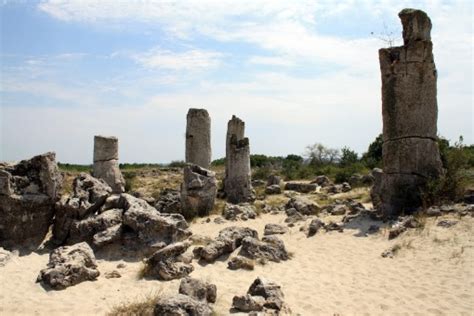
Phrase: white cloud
(194, 59)
(271, 60)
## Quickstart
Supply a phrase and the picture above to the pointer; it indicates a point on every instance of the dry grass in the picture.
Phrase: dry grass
(142, 306)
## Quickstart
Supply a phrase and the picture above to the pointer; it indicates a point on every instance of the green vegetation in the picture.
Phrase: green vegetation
(67, 167)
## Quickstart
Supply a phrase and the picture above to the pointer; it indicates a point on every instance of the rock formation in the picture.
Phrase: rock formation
(28, 192)
(410, 112)
(237, 182)
(106, 165)
(69, 266)
(198, 192)
(165, 263)
(198, 138)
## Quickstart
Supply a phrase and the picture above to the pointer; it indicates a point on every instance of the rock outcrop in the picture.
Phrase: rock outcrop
(303, 205)
(242, 211)
(198, 192)
(237, 182)
(410, 112)
(198, 289)
(68, 266)
(269, 248)
(28, 192)
(300, 187)
(198, 138)
(165, 263)
(263, 295)
(106, 164)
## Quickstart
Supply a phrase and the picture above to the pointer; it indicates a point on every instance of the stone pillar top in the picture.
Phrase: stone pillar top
(105, 148)
(416, 25)
(198, 112)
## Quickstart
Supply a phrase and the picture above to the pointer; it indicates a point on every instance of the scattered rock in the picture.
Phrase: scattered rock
(169, 201)
(121, 265)
(5, 256)
(273, 180)
(270, 248)
(180, 304)
(219, 220)
(248, 303)
(273, 229)
(446, 223)
(112, 275)
(68, 266)
(300, 187)
(303, 205)
(199, 290)
(322, 181)
(273, 189)
(164, 264)
(263, 295)
(315, 225)
(240, 262)
(334, 226)
(242, 211)
(338, 210)
(433, 211)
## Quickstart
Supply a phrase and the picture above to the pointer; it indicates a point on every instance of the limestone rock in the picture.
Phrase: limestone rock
(199, 290)
(322, 181)
(198, 138)
(248, 303)
(169, 201)
(273, 189)
(106, 165)
(240, 262)
(273, 229)
(303, 206)
(300, 187)
(198, 192)
(28, 192)
(315, 225)
(68, 266)
(164, 263)
(273, 180)
(181, 305)
(270, 248)
(270, 291)
(242, 211)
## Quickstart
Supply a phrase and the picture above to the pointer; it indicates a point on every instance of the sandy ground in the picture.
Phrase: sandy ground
(330, 273)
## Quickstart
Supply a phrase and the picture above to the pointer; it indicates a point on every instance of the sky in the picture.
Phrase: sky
(297, 72)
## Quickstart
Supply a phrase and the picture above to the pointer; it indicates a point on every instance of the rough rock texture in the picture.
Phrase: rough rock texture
(410, 112)
(5, 256)
(240, 262)
(237, 182)
(198, 192)
(273, 180)
(300, 187)
(242, 211)
(106, 165)
(261, 288)
(322, 181)
(89, 195)
(227, 241)
(164, 264)
(273, 229)
(270, 248)
(273, 189)
(303, 205)
(181, 305)
(198, 138)
(198, 289)
(315, 225)
(28, 192)
(69, 266)
(169, 201)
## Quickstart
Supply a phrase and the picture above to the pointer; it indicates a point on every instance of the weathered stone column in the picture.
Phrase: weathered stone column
(237, 182)
(198, 191)
(198, 138)
(410, 113)
(106, 165)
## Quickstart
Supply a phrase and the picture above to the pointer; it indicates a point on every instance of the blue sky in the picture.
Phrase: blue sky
(297, 72)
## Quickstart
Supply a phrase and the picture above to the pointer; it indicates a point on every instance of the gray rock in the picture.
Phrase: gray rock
(169, 201)
(300, 187)
(315, 225)
(269, 290)
(240, 262)
(338, 210)
(334, 226)
(5, 256)
(198, 138)
(114, 274)
(242, 211)
(199, 290)
(303, 206)
(273, 229)
(410, 113)
(68, 266)
(273, 180)
(433, 211)
(28, 192)
(181, 305)
(106, 164)
(226, 242)
(273, 189)
(270, 248)
(84, 230)
(322, 181)
(446, 223)
(248, 303)
(165, 265)
(237, 182)
(198, 192)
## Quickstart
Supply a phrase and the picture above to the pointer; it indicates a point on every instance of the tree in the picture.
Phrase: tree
(348, 157)
(320, 155)
(373, 157)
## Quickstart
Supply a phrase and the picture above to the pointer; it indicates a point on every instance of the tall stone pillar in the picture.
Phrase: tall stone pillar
(410, 113)
(238, 182)
(198, 138)
(106, 164)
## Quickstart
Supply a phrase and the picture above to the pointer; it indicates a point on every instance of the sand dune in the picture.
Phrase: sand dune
(330, 273)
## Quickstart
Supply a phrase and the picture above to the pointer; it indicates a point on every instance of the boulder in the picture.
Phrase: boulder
(68, 266)
(169, 201)
(248, 303)
(273, 189)
(242, 211)
(315, 225)
(270, 248)
(198, 289)
(273, 229)
(198, 191)
(270, 291)
(240, 262)
(300, 187)
(322, 181)
(181, 305)
(273, 180)
(303, 206)
(28, 193)
(165, 265)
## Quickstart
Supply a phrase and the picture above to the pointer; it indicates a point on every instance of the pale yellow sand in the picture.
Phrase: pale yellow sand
(330, 273)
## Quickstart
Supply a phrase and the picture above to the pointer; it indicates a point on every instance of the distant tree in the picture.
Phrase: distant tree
(320, 155)
(373, 157)
(348, 157)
